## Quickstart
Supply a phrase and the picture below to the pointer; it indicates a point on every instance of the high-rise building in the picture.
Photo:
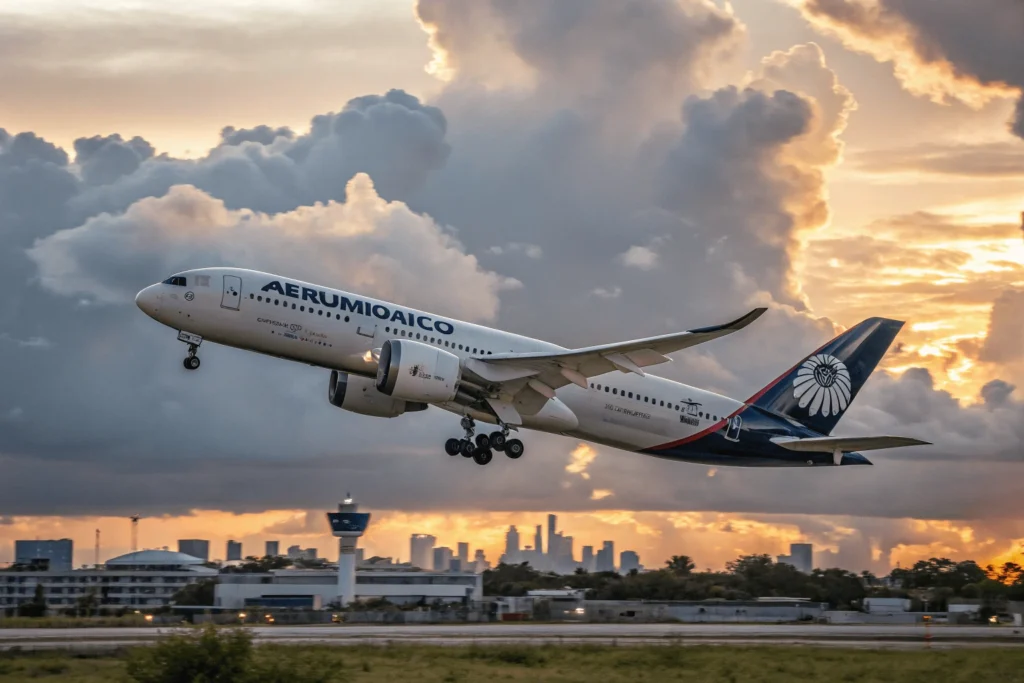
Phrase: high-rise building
(442, 559)
(512, 546)
(273, 549)
(234, 551)
(587, 562)
(606, 557)
(464, 553)
(801, 557)
(538, 541)
(299, 553)
(552, 540)
(195, 548)
(57, 556)
(628, 561)
(480, 563)
(360, 556)
(421, 551)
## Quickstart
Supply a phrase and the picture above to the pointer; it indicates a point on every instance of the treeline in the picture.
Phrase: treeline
(929, 583)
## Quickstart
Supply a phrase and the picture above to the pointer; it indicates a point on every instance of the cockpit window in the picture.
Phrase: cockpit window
(177, 281)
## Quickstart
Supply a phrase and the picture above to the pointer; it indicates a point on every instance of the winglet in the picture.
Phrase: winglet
(737, 324)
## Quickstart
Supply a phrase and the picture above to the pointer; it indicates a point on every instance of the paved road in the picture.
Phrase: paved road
(872, 635)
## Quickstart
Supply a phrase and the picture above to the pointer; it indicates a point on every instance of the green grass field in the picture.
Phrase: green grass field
(583, 664)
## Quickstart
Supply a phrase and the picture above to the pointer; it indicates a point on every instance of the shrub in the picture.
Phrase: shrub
(207, 656)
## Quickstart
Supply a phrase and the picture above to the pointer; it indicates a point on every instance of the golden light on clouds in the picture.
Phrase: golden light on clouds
(580, 459)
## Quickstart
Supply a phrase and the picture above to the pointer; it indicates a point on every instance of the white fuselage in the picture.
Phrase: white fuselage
(340, 330)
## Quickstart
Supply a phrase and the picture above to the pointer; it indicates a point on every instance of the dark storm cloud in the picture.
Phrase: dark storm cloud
(103, 159)
(685, 212)
(929, 40)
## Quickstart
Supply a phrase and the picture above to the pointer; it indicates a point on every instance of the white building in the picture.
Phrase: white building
(316, 586)
(145, 579)
(421, 550)
(801, 557)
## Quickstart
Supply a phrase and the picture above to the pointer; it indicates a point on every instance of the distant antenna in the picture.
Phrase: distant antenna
(96, 561)
(135, 532)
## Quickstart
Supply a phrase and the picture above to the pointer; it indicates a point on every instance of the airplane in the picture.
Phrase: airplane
(386, 360)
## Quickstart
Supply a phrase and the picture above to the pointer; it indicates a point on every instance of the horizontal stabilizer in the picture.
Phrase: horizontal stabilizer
(846, 444)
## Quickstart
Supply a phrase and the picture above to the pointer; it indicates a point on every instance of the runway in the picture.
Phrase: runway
(854, 636)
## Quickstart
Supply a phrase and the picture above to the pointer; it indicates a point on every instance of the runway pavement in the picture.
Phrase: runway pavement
(857, 636)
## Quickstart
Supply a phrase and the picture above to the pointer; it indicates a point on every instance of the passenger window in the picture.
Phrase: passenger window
(387, 329)
(302, 308)
(320, 312)
(277, 302)
(662, 404)
(337, 316)
(259, 298)
(346, 318)
(252, 296)
(606, 389)
(293, 307)
(615, 391)
(631, 394)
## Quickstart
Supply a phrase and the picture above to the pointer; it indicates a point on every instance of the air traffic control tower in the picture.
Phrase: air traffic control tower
(348, 525)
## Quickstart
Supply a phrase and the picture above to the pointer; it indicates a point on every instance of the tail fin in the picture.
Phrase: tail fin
(817, 391)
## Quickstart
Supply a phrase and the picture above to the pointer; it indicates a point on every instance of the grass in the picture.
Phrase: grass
(583, 664)
(129, 620)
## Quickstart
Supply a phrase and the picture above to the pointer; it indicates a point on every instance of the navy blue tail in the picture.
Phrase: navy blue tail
(818, 390)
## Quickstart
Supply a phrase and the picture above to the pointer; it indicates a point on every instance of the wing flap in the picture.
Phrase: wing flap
(846, 444)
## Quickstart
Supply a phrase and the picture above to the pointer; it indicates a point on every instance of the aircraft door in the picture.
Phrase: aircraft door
(232, 296)
(732, 433)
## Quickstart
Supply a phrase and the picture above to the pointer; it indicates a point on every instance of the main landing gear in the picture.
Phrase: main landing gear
(482, 446)
(191, 361)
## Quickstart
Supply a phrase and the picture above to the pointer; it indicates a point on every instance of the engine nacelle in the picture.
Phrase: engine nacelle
(414, 371)
(359, 395)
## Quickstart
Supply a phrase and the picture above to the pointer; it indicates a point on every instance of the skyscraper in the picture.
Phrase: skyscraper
(464, 554)
(512, 546)
(195, 547)
(421, 551)
(442, 559)
(234, 551)
(588, 558)
(552, 540)
(538, 541)
(273, 549)
(801, 557)
(628, 561)
(606, 557)
(56, 555)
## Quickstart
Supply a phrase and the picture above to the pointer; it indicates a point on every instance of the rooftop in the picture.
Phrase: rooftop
(154, 557)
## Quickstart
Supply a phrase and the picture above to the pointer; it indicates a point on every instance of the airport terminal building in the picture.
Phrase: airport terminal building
(315, 589)
(142, 580)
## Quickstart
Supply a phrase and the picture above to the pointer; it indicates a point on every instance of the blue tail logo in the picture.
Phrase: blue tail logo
(819, 389)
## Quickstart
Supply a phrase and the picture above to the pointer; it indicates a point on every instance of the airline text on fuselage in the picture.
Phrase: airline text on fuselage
(322, 298)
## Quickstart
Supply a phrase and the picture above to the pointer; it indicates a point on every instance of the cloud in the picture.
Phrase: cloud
(364, 244)
(989, 160)
(1005, 339)
(640, 257)
(580, 459)
(942, 49)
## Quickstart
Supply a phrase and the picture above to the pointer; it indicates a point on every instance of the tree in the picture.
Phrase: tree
(200, 593)
(36, 607)
(258, 565)
(681, 565)
(87, 604)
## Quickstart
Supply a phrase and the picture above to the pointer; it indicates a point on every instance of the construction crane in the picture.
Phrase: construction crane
(135, 532)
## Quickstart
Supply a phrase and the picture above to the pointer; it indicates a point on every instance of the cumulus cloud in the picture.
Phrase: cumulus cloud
(1005, 339)
(943, 49)
(364, 244)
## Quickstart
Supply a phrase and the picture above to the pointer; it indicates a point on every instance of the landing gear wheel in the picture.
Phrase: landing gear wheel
(514, 448)
(482, 456)
(482, 441)
(452, 446)
(191, 363)
(497, 440)
(467, 448)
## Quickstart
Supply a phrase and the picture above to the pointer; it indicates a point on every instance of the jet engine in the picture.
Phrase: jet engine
(414, 371)
(359, 395)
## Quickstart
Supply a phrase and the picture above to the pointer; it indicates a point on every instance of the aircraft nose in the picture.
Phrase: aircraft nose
(148, 300)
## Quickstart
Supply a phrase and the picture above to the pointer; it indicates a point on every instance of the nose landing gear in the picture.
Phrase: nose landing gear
(191, 361)
(481, 446)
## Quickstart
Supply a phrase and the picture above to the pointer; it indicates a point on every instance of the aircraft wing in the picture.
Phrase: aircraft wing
(837, 445)
(846, 444)
(529, 379)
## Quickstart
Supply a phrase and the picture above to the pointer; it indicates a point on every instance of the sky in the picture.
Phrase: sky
(579, 171)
